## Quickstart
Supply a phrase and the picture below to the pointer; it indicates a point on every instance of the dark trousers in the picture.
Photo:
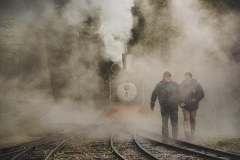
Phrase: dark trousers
(173, 114)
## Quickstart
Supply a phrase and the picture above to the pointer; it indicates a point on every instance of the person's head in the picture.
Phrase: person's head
(167, 76)
(188, 77)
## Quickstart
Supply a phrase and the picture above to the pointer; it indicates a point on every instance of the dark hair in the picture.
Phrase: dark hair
(166, 74)
(188, 74)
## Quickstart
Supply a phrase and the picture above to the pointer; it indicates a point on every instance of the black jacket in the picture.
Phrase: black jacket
(189, 91)
(167, 93)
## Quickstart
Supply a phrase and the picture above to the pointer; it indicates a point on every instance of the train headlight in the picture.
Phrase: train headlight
(127, 92)
(126, 87)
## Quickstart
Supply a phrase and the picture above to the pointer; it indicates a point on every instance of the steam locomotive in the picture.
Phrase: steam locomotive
(126, 89)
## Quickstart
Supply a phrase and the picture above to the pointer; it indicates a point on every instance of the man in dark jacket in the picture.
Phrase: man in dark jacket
(168, 95)
(191, 93)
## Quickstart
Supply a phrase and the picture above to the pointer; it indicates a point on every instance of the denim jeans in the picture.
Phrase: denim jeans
(173, 115)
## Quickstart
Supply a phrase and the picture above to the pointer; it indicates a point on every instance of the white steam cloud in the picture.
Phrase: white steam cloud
(198, 33)
(203, 42)
(115, 22)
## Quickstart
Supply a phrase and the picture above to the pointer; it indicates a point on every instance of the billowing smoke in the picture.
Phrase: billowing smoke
(116, 24)
(58, 49)
(54, 70)
(201, 40)
(203, 47)
(115, 20)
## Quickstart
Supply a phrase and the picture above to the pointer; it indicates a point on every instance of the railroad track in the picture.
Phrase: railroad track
(125, 147)
(201, 151)
(43, 148)
(128, 145)
(16, 151)
(91, 144)
(10, 152)
(106, 142)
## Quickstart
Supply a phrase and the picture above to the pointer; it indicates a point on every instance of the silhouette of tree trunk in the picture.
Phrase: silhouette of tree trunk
(34, 78)
(45, 68)
(74, 58)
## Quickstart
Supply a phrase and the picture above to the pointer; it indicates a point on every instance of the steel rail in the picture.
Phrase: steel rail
(183, 149)
(114, 149)
(139, 146)
(148, 154)
(27, 145)
(63, 142)
(20, 155)
(195, 146)
(31, 147)
(167, 145)
(8, 151)
(216, 152)
(19, 145)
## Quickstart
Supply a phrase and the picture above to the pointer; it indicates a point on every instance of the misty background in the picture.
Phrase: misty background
(52, 51)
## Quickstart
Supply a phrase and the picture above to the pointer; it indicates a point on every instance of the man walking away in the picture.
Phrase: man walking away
(167, 92)
(191, 93)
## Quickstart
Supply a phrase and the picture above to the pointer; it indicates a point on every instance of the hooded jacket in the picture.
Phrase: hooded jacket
(167, 93)
(189, 91)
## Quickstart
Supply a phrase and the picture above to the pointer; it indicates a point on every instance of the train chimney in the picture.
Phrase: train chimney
(127, 62)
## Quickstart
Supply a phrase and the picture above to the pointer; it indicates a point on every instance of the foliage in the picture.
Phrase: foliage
(7, 22)
(221, 143)
(4, 48)
(137, 31)
(61, 155)
(232, 4)
(59, 5)
(6, 34)
(46, 152)
(8, 47)
(228, 142)
(110, 150)
(155, 29)
(158, 4)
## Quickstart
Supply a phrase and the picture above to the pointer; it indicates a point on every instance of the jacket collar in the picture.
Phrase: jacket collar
(194, 81)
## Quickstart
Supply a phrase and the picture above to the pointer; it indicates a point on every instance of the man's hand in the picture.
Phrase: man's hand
(193, 100)
(152, 108)
(182, 105)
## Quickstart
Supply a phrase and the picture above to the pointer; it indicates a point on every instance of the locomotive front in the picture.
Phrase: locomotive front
(126, 90)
